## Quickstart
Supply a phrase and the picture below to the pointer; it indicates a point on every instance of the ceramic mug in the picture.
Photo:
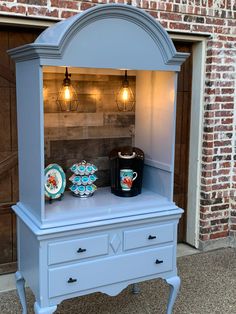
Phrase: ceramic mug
(127, 176)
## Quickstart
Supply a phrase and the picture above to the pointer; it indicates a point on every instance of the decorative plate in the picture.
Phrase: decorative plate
(55, 181)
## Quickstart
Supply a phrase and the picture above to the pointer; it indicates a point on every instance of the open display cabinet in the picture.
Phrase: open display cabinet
(103, 243)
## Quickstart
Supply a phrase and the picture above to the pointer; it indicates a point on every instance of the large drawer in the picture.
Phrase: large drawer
(92, 274)
(152, 235)
(70, 250)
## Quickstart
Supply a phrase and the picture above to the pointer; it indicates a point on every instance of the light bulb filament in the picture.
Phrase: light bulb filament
(125, 94)
(67, 93)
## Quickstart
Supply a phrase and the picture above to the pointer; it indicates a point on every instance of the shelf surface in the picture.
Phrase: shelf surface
(104, 205)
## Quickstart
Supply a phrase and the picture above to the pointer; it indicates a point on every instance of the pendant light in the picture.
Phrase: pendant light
(67, 97)
(125, 97)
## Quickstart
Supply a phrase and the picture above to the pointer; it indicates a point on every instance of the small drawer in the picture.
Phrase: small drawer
(107, 271)
(70, 250)
(142, 237)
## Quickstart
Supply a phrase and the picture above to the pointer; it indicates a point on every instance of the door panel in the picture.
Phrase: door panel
(183, 113)
(9, 38)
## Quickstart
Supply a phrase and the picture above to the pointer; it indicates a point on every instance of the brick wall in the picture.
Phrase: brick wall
(215, 17)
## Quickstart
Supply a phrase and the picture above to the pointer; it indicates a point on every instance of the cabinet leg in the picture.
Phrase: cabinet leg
(174, 283)
(135, 288)
(20, 285)
(44, 310)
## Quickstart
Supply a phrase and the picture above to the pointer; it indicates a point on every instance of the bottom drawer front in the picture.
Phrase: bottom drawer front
(92, 274)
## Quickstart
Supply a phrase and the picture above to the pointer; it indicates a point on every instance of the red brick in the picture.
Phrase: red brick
(86, 5)
(212, 91)
(226, 150)
(223, 179)
(224, 99)
(213, 60)
(227, 106)
(170, 16)
(227, 90)
(217, 235)
(223, 128)
(37, 11)
(224, 113)
(19, 9)
(232, 23)
(204, 237)
(220, 186)
(225, 164)
(207, 151)
(204, 223)
(179, 26)
(164, 24)
(227, 121)
(168, 7)
(229, 45)
(226, 38)
(221, 30)
(145, 4)
(153, 5)
(153, 13)
(214, 44)
(215, 21)
(208, 137)
(206, 188)
(221, 171)
(202, 28)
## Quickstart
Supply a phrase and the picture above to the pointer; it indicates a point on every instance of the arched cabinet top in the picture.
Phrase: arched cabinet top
(105, 36)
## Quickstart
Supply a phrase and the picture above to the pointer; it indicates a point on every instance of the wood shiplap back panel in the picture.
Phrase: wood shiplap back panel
(94, 130)
(9, 38)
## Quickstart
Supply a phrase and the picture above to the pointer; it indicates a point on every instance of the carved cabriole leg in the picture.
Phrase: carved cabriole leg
(174, 283)
(20, 285)
(135, 288)
(44, 310)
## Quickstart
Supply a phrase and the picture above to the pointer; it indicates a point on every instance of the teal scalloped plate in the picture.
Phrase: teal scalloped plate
(54, 181)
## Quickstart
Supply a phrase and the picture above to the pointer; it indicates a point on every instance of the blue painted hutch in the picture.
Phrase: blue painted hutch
(124, 240)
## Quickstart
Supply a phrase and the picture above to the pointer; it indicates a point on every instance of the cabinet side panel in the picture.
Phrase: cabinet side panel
(163, 115)
(155, 127)
(158, 181)
(28, 256)
(30, 135)
(143, 112)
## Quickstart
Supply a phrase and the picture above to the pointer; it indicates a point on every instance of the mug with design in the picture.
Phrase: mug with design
(127, 176)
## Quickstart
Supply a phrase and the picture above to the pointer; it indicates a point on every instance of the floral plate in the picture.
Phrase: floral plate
(54, 181)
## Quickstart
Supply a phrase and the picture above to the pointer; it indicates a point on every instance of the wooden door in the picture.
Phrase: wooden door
(9, 38)
(183, 115)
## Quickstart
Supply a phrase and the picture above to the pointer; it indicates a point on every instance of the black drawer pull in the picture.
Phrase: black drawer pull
(151, 237)
(71, 280)
(158, 261)
(81, 250)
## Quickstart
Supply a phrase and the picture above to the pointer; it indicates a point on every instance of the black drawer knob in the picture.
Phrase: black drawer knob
(81, 250)
(71, 280)
(151, 237)
(158, 261)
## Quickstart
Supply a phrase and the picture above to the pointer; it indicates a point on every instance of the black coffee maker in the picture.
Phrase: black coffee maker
(126, 165)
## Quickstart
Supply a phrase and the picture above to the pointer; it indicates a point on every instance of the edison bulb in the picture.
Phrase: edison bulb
(67, 93)
(125, 94)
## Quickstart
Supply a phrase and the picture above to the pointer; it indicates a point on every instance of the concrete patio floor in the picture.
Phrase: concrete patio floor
(208, 286)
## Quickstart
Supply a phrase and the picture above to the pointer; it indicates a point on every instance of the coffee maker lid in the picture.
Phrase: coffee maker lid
(127, 152)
